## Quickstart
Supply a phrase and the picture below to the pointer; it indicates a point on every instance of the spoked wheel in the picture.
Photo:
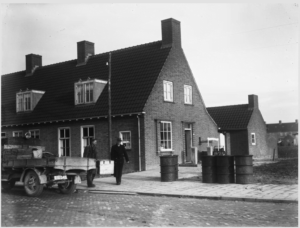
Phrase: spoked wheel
(32, 184)
(7, 185)
(68, 187)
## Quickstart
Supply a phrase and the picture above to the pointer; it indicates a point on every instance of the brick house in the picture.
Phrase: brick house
(244, 129)
(155, 102)
(285, 133)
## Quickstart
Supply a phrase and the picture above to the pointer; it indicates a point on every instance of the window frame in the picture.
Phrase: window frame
(82, 85)
(171, 137)
(21, 106)
(82, 139)
(253, 139)
(121, 136)
(5, 136)
(33, 133)
(188, 94)
(24, 106)
(14, 134)
(165, 91)
(64, 138)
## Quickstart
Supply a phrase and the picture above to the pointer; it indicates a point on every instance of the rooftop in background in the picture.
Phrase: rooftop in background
(282, 127)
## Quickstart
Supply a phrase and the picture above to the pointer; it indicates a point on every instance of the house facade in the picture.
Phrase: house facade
(244, 129)
(285, 133)
(156, 106)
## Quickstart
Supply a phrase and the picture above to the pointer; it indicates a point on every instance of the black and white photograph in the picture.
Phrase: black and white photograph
(149, 114)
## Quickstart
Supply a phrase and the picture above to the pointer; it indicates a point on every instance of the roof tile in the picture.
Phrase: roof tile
(134, 73)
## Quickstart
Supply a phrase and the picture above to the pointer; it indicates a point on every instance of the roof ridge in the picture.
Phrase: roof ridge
(282, 123)
(132, 47)
(117, 50)
(228, 106)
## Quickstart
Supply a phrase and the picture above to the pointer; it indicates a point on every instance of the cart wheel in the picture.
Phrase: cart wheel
(68, 187)
(32, 184)
(7, 185)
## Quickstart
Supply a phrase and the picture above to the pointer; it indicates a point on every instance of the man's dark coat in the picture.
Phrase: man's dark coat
(118, 153)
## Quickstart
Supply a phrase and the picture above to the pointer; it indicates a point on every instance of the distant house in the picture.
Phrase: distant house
(156, 105)
(286, 133)
(244, 128)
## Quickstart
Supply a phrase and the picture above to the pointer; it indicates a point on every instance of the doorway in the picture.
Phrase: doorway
(188, 144)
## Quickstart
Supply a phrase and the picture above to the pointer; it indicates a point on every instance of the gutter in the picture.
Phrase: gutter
(139, 135)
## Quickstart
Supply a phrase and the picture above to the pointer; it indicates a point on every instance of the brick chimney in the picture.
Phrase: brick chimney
(296, 121)
(279, 121)
(171, 35)
(252, 101)
(85, 49)
(32, 63)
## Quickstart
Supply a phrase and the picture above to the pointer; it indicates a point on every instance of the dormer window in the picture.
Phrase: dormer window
(87, 92)
(27, 100)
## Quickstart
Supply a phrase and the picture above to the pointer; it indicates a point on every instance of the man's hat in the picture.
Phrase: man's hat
(119, 139)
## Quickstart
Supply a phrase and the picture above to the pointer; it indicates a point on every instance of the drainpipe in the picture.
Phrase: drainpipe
(139, 135)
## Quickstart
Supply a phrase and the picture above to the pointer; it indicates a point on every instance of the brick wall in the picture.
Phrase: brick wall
(176, 70)
(239, 142)
(49, 137)
(258, 126)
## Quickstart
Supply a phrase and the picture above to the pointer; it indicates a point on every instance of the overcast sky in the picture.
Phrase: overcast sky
(233, 49)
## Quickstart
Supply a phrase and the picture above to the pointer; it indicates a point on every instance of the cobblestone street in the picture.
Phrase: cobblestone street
(91, 209)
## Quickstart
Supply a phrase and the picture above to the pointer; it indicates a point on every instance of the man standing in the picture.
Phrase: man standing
(118, 153)
(90, 151)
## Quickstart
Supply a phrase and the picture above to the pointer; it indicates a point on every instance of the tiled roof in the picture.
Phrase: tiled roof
(282, 127)
(233, 117)
(134, 73)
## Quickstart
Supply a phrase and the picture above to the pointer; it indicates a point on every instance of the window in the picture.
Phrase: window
(3, 134)
(88, 133)
(126, 138)
(35, 134)
(168, 91)
(64, 142)
(166, 135)
(84, 92)
(87, 92)
(253, 139)
(25, 100)
(188, 95)
(17, 133)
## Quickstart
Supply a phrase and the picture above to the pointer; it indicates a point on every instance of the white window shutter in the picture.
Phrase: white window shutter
(76, 93)
(17, 102)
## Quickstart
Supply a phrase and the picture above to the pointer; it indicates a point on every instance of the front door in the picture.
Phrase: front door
(188, 145)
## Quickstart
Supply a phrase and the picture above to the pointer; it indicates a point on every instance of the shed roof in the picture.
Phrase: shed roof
(232, 117)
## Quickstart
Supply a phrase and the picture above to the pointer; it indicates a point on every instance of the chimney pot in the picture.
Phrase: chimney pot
(84, 50)
(296, 120)
(252, 101)
(279, 121)
(32, 63)
(171, 34)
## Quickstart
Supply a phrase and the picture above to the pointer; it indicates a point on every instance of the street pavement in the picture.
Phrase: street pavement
(84, 208)
(189, 184)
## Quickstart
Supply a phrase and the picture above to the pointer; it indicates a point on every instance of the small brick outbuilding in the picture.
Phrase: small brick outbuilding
(244, 129)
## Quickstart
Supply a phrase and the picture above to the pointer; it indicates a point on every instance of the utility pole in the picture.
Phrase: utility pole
(109, 104)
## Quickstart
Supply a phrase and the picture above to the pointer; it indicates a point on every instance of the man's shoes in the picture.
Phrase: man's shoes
(92, 186)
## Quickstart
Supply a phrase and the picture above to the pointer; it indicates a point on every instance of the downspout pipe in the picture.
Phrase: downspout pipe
(139, 135)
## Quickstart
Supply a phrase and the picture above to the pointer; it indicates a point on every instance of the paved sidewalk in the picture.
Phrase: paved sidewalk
(189, 185)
